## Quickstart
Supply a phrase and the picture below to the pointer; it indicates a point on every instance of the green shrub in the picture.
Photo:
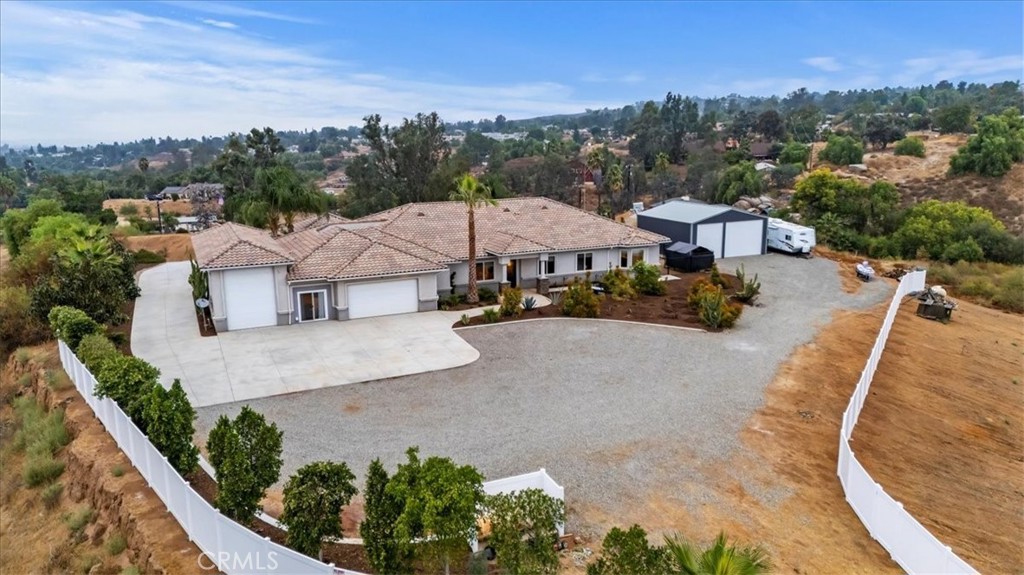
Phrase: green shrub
(22, 356)
(94, 349)
(25, 380)
(529, 303)
(77, 520)
(130, 570)
(51, 495)
(618, 284)
(912, 146)
(487, 295)
(712, 307)
(148, 257)
(966, 250)
(86, 563)
(129, 210)
(18, 325)
(981, 287)
(1010, 294)
(127, 380)
(58, 380)
(647, 279)
(117, 470)
(491, 315)
(580, 300)
(511, 302)
(749, 289)
(464, 320)
(717, 279)
(116, 544)
(41, 469)
(71, 325)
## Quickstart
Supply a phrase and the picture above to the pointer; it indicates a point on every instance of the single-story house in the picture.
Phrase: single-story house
(726, 231)
(404, 259)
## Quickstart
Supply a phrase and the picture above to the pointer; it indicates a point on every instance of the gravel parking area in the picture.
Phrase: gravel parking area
(607, 408)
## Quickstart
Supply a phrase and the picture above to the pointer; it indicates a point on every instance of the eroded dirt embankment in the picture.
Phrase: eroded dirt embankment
(97, 476)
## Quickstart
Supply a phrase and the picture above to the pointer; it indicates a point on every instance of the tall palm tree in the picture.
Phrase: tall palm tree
(280, 194)
(472, 193)
(596, 163)
(721, 558)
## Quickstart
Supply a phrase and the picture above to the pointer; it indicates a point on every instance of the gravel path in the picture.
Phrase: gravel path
(606, 408)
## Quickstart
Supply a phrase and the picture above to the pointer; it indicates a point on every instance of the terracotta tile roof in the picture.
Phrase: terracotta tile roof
(310, 221)
(233, 245)
(515, 226)
(347, 254)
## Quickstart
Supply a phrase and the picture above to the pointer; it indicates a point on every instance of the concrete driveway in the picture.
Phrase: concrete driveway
(254, 363)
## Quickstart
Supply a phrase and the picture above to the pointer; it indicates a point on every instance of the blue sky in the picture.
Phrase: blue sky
(85, 72)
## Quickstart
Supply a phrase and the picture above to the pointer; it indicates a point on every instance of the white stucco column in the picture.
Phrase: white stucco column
(543, 265)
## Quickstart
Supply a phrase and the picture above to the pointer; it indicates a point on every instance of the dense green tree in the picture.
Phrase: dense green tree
(235, 168)
(628, 553)
(678, 116)
(842, 150)
(770, 125)
(795, 153)
(382, 510)
(932, 227)
(17, 224)
(472, 193)
(955, 118)
(400, 165)
(524, 530)
(648, 135)
(883, 130)
(128, 381)
(916, 105)
(998, 144)
(246, 455)
(440, 501)
(265, 146)
(169, 425)
(280, 193)
(738, 180)
(313, 499)
(803, 123)
(720, 558)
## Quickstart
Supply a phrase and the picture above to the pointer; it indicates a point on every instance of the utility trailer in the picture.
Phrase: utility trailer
(789, 237)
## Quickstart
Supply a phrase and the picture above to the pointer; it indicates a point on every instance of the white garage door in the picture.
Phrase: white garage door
(382, 298)
(710, 236)
(250, 298)
(743, 238)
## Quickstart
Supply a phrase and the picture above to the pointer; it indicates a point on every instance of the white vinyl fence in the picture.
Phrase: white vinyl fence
(226, 545)
(907, 541)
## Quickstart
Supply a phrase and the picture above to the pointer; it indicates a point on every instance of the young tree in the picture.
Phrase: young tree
(628, 553)
(524, 530)
(912, 146)
(739, 180)
(721, 557)
(246, 455)
(440, 501)
(378, 527)
(473, 194)
(169, 416)
(998, 144)
(955, 118)
(842, 150)
(795, 153)
(313, 499)
(128, 381)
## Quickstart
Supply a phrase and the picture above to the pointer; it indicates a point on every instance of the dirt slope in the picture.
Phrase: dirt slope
(181, 207)
(174, 247)
(943, 430)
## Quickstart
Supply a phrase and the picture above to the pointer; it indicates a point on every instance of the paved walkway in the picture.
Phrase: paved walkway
(254, 363)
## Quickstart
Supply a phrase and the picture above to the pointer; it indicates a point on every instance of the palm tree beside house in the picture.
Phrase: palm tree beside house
(596, 163)
(474, 194)
(279, 194)
(721, 558)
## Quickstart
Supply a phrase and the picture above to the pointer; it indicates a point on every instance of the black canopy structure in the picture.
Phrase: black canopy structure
(688, 257)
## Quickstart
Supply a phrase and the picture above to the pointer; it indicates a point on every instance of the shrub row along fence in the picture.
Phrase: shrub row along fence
(912, 546)
(226, 545)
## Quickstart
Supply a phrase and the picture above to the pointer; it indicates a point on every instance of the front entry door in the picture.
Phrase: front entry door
(312, 305)
(513, 273)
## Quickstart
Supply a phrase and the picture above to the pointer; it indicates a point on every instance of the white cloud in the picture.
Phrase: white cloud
(73, 77)
(632, 78)
(223, 9)
(823, 63)
(957, 64)
(596, 78)
(219, 23)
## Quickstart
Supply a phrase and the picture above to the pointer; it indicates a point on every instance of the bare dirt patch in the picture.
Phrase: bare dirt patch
(174, 247)
(943, 430)
(180, 207)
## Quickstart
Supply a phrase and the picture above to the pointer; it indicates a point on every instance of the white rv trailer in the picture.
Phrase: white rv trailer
(789, 237)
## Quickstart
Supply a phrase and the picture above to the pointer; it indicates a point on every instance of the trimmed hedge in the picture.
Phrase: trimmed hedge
(72, 324)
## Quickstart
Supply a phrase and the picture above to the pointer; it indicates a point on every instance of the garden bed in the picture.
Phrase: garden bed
(669, 309)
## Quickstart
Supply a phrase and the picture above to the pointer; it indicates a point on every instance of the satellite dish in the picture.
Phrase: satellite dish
(202, 303)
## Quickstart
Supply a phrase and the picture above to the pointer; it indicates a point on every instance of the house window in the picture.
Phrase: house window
(547, 267)
(626, 262)
(584, 262)
(312, 305)
(789, 237)
(485, 271)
